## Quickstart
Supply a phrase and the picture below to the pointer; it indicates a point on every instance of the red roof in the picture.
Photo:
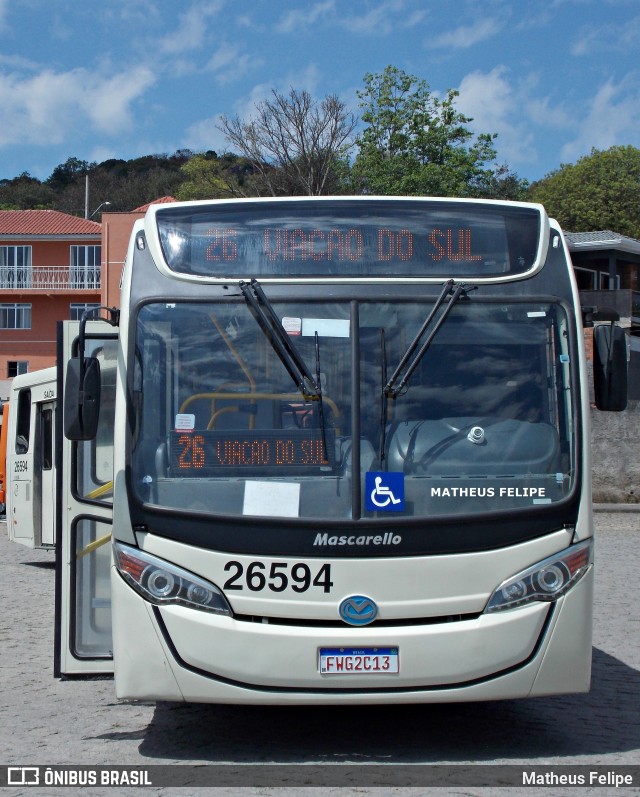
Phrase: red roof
(45, 222)
(160, 201)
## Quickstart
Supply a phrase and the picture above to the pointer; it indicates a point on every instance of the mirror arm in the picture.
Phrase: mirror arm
(113, 318)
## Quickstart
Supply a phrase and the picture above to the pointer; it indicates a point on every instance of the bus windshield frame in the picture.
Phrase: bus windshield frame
(233, 436)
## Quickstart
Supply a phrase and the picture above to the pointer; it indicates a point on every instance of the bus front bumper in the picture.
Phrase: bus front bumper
(187, 655)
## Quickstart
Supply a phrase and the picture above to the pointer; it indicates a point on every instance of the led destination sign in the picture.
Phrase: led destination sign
(201, 453)
(350, 239)
(300, 245)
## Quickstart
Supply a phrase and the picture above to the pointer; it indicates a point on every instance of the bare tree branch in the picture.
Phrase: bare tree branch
(294, 143)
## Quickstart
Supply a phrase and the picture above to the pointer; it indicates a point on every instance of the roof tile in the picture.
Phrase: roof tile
(161, 200)
(45, 222)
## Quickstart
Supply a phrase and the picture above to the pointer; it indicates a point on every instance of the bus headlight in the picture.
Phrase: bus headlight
(162, 583)
(545, 581)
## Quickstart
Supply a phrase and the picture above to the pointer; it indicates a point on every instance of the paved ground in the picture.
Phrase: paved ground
(47, 721)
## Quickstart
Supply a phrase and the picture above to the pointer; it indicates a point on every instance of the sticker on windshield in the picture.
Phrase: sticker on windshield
(185, 422)
(280, 499)
(292, 326)
(384, 491)
(326, 327)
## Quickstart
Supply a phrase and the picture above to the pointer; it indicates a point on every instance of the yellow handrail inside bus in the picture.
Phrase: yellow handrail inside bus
(253, 397)
(94, 545)
(105, 488)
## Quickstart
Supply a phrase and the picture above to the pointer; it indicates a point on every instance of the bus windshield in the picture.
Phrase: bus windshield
(485, 423)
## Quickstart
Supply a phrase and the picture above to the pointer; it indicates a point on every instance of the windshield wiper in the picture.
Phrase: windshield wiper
(282, 344)
(280, 341)
(411, 358)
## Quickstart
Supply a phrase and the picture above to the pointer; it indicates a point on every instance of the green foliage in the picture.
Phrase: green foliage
(26, 193)
(202, 180)
(206, 176)
(599, 192)
(415, 143)
(68, 173)
(126, 185)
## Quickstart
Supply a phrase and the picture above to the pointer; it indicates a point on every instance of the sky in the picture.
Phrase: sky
(102, 79)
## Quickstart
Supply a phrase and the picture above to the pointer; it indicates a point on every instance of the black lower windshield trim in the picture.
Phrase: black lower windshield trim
(350, 690)
(356, 539)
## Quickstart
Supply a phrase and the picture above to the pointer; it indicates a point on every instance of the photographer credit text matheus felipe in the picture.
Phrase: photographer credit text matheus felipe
(488, 492)
(591, 778)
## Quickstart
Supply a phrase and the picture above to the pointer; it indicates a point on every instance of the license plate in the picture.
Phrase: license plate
(359, 661)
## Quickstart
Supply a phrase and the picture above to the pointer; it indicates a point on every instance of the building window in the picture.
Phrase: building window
(15, 267)
(15, 316)
(589, 279)
(16, 367)
(77, 309)
(607, 283)
(84, 267)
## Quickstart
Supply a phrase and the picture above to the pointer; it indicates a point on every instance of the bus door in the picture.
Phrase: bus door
(45, 475)
(85, 484)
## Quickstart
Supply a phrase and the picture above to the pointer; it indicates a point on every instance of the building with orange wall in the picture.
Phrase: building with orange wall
(116, 231)
(50, 264)
(53, 266)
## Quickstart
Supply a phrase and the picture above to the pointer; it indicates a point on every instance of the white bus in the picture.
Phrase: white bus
(351, 463)
(30, 462)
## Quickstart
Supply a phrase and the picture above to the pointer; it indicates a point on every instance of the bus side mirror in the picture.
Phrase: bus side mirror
(82, 398)
(610, 367)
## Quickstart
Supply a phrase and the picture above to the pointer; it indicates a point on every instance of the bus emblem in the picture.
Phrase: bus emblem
(358, 610)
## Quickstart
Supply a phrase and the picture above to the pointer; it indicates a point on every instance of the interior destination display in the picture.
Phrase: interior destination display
(198, 453)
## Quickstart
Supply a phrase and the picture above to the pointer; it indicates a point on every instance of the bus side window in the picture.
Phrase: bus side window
(47, 439)
(23, 421)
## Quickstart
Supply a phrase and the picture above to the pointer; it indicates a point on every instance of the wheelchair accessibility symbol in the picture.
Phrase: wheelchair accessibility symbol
(384, 492)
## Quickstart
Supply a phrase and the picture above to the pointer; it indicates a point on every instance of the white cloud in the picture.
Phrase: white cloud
(109, 104)
(298, 18)
(611, 117)
(189, 33)
(382, 18)
(373, 19)
(520, 116)
(607, 38)
(42, 109)
(497, 107)
(204, 135)
(468, 35)
(230, 64)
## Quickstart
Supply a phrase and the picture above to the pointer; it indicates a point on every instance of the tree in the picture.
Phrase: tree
(126, 185)
(206, 176)
(415, 143)
(295, 144)
(599, 192)
(502, 183)
(25, 193)
(68, 173)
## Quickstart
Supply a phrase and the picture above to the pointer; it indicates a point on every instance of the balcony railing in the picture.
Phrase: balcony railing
(51, 278)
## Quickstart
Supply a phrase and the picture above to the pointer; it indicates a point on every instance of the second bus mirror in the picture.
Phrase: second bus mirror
(610, 367)
(82, 398)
